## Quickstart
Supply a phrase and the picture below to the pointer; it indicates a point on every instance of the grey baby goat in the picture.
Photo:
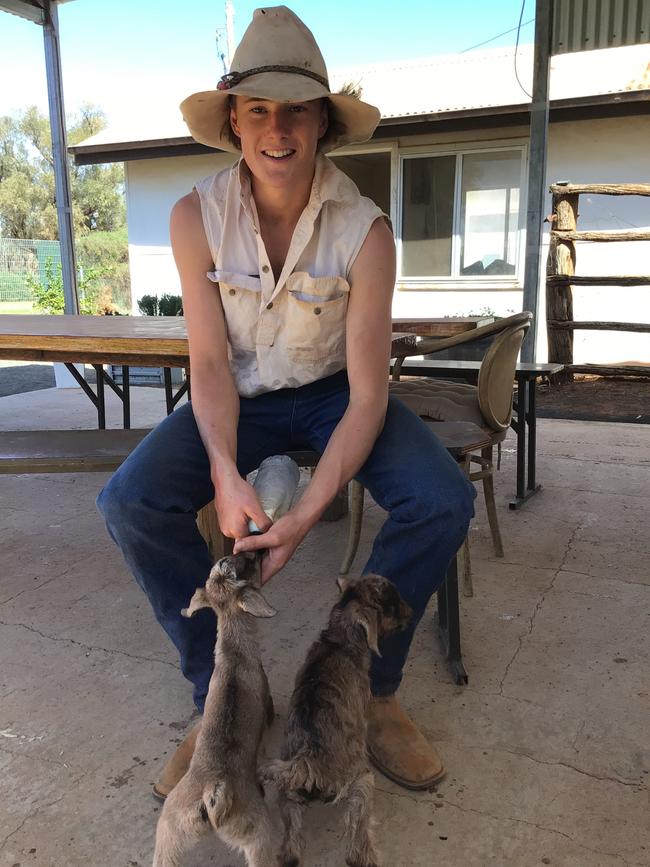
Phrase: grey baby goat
(324, 755)
(220, 790)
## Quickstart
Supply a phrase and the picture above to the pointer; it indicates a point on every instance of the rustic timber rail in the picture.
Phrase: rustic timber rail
(561, 277)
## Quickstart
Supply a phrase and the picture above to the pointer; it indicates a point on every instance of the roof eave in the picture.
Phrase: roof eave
(601, 105)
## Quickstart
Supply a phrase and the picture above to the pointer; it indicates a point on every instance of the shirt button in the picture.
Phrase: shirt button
(269, 305)
(231, 291)
(317, 310)
(266, 269)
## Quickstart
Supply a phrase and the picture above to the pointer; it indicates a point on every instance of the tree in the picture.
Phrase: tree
(27, 190)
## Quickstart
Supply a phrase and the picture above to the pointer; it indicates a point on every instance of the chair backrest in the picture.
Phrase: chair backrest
(498, 371)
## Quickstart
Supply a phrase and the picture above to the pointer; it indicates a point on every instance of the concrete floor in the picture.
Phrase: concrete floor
(547, 749)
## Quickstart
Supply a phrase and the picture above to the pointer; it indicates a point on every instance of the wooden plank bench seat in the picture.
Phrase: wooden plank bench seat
(66, 451)
(86, 451)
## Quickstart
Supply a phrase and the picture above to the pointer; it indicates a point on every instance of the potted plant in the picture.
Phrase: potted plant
(153, 305)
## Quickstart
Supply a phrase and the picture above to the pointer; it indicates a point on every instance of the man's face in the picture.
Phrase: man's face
(279, 139)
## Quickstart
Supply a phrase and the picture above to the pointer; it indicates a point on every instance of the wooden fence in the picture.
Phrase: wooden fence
(561, 277)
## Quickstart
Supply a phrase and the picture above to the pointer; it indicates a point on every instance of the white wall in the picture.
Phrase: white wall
(152, 188)
(589, 151)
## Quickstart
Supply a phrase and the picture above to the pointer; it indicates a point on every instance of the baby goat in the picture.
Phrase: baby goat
(324, 755)
(220, 790)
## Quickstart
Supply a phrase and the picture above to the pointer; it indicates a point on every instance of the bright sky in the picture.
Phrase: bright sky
(129, 57)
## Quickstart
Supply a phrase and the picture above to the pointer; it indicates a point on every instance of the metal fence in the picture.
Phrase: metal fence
(21, 259)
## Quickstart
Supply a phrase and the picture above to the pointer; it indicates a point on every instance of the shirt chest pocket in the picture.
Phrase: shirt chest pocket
(241, 296)
(315, 319)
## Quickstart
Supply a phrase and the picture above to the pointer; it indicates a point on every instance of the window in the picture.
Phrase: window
(460, 214)
(371, 174)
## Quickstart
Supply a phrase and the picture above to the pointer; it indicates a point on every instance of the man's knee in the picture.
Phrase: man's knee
(118, 502)
(445, 504)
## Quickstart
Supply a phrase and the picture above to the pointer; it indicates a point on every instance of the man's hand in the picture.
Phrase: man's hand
(236, 503)
(278, 544)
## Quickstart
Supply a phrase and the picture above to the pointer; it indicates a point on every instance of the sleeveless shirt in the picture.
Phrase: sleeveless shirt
(289, 332)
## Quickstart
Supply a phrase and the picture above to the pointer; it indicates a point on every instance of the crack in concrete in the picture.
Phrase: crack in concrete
(573, 490)
(90, 646)
(616, 463)
(32, 815)
(634, 784)
(577, 735)
(449, 803)
(538, 606)
(65, 571)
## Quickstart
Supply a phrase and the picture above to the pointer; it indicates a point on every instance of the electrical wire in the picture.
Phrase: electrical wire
(519, 26)
(498, 36)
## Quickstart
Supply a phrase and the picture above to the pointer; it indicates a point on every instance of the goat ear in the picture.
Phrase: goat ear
(342, 583)
(252, 602)
(367, 618)
(198, 601)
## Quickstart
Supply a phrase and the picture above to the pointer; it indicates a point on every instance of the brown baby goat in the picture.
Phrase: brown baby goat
(220, 791)
(324, 755)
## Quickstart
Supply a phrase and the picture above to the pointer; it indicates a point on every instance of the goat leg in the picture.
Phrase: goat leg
(178, 829)
(361, 851)
(263, 850)
(292, 808)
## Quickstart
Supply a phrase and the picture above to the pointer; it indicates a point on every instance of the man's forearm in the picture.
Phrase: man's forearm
(349, 446)
(217, 419)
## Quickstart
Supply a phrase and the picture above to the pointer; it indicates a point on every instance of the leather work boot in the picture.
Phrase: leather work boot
(177, 764)
(398, 749)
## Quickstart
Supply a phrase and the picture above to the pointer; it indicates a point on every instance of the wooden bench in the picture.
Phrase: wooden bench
(86, 451)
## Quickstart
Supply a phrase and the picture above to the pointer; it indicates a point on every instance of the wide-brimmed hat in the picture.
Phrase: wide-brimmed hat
(277, 59)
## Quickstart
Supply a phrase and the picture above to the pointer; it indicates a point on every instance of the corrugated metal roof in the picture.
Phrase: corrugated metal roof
(426, 86)
(581, 25)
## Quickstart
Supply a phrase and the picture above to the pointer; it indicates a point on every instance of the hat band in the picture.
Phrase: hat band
(233, 78)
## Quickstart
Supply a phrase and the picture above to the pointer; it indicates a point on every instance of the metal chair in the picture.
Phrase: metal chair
(487, 404)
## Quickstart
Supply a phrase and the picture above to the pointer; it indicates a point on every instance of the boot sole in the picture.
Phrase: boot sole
(407, 784)
(159, 796)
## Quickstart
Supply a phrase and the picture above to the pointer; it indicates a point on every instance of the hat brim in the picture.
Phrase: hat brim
(207, 113)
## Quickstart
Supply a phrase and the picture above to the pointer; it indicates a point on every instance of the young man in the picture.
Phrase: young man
(287, 276)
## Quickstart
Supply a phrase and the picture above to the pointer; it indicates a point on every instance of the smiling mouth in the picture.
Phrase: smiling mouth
(281, 154)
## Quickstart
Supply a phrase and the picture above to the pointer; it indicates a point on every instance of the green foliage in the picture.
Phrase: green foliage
(170, 305)
(27, 201)
(166, 305)
(48, 294)
(108, 253)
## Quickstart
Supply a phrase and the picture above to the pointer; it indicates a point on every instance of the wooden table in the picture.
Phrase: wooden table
(125, 341)
(147, 341)
(440, 326)
(524, 421)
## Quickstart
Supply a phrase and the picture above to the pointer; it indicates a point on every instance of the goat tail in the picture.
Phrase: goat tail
(293, 775)
(217, 800)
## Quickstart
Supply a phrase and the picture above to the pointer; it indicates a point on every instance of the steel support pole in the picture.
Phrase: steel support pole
(537, 171)
(60, 156)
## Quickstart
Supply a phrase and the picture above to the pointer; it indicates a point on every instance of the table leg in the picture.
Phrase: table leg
(521, 438)
(101, 399)
(532, 434)
(526, 428)
(126, 398)
(449, 623)
(169, 394)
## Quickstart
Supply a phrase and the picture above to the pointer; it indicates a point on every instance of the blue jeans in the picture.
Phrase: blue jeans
(150, 506)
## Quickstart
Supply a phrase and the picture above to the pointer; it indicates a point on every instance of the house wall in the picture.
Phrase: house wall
(588, 151)
(152, 188)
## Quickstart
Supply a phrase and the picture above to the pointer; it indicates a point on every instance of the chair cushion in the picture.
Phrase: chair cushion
(439, 399)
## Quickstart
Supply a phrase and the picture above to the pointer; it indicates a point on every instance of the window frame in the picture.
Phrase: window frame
(472, 282)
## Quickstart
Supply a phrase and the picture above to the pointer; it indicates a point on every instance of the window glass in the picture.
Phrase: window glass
(489, 215)
(428, 216)
(371, 173)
